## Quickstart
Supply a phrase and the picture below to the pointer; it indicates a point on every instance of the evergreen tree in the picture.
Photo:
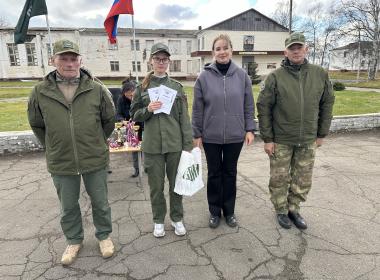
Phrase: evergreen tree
(252, 69)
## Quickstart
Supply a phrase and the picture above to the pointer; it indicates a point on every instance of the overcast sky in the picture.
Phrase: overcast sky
(181, 14)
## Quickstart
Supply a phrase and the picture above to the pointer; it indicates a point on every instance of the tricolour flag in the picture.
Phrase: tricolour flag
(32, 8)
(110, 24)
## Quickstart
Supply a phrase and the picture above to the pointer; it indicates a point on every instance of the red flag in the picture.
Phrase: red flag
(110, 24)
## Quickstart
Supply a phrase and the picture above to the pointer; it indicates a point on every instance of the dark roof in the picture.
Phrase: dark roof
(354, 46)
(251, 12)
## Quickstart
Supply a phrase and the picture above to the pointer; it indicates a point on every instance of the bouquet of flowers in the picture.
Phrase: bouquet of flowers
(131, 133)
(118, 136)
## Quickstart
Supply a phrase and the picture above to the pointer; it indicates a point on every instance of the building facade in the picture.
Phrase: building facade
(255, 38)
(348, 57)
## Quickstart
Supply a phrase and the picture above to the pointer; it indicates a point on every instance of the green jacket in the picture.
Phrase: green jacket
(74, 135)
(295, 104)
(163, 133)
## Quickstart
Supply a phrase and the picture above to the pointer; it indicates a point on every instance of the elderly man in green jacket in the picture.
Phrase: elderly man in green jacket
(295, 111)
(72, 115)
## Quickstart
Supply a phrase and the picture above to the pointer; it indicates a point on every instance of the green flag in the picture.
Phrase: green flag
(32, 8)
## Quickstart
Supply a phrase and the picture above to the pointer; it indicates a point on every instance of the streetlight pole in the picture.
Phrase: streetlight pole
(290, 16)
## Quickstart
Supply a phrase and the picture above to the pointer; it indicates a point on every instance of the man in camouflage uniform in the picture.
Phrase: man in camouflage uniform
(295, 111)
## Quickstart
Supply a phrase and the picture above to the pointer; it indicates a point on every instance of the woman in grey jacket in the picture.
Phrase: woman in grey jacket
(223, 118)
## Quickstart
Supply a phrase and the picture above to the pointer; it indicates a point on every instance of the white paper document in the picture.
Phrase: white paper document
(165, 95)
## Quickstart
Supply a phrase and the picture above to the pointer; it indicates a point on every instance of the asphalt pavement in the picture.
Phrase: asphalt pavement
(342, 211)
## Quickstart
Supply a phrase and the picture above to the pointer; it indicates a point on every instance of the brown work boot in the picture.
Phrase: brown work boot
(70, 254)
(106, 247)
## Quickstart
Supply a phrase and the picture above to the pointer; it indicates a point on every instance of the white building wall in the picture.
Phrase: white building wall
(96, 54)
(263, 42)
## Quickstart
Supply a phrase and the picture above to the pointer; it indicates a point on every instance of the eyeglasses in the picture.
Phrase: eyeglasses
(161, 60)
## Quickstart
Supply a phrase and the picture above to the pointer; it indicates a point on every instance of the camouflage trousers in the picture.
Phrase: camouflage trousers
(291, 171)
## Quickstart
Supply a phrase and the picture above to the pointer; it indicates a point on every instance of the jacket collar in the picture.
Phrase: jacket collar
(294, 67)
(159, 80)
(232, 69)
(51, 89)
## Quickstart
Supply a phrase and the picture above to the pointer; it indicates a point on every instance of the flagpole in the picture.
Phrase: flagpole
(49, 36)
(134, 48)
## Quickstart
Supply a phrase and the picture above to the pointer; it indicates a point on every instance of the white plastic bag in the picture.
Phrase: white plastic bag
(189, 173)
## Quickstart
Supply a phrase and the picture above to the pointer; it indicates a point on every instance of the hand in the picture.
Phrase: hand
(197, 142)
(249, 137)
(154, 105)
(269, 148)
(319, 142)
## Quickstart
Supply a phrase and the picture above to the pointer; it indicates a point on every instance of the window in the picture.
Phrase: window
(271, 66)
(199, 44)
(248, 42)
(113, 47)
(188, 47)
(174, 46)
(203, 43)
(137, 45)
(114, 66)
(13, 55)
(364, 53)
(257, 19)
(345, 54)
(31, 56)
(138, 66)
(149, 44)
(175, 66)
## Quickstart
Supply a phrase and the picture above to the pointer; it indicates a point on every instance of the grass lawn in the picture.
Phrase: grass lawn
(13, 114)
(14, 92)
(353, 103)
(369, 84)
(349, 75)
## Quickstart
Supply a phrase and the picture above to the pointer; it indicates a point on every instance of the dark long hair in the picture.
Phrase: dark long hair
(127, 85)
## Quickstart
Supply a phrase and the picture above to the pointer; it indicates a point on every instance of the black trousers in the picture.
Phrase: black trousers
(221, 178)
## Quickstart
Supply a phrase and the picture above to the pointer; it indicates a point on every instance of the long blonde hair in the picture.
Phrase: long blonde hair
(146, 81)
(224, 37)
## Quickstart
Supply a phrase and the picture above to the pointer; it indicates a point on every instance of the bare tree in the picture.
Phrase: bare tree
(330, 34)
(363, 16)
(312, 26)
(3, 22)
(282, 14)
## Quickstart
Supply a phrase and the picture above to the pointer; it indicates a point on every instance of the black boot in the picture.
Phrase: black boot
(297, 219)
(214, 221)
(283, 221)
(134, 175)
(231, 221)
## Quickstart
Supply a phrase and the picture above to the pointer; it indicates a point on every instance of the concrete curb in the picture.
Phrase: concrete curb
(12, 142)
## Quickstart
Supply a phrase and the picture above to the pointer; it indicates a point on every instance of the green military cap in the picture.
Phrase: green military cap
(159, 47)
(295, 38)
(65, 46)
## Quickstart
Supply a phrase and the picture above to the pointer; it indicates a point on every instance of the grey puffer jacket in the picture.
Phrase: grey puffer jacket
(223, 106)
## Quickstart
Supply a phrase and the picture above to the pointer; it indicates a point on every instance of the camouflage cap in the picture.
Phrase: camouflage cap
(65, 46)
(159, 47)
(295, 38)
